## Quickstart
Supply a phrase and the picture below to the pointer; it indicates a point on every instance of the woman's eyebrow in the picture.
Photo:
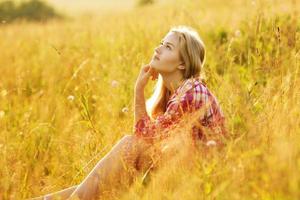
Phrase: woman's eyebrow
(168, 43)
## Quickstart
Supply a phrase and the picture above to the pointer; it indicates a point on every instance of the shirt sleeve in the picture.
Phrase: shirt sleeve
(151, 129)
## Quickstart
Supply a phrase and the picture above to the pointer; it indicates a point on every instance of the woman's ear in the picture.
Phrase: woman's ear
(181, 66)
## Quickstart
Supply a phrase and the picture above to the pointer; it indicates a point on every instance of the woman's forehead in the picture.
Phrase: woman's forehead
(171, 37)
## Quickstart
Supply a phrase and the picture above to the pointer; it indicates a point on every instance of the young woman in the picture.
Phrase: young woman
(176, 63)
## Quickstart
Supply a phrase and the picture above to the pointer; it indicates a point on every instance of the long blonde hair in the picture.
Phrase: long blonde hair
(192, 53)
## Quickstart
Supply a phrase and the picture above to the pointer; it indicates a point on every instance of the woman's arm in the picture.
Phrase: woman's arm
(139, 104)
(139, 97)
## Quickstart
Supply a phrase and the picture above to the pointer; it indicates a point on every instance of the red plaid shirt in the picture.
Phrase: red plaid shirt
(190, 96)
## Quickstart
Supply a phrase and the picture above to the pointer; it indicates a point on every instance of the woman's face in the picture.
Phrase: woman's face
(166, 57)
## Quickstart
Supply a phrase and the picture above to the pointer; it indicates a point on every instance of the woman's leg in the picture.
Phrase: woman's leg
(120, 164)
(116, 169)
(62, 194)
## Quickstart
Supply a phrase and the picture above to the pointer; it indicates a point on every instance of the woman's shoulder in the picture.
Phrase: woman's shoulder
(192, 88)
(192, 84)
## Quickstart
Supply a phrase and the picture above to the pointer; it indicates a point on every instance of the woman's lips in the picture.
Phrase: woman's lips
(156, 57)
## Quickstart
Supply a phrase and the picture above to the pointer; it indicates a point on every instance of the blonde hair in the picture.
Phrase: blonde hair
(192, 53)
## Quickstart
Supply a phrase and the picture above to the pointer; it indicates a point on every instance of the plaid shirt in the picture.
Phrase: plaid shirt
(190, 96)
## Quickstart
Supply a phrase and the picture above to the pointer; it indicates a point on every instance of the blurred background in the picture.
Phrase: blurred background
(68, 70)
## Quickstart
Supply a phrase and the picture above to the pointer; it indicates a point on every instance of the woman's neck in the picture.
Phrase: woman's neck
(172, 81)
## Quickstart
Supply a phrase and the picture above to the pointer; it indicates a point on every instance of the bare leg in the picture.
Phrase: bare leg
(117, 168)
(62, 194)
(127, 159)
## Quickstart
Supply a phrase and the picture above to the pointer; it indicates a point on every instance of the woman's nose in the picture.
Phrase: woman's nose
(157, 50)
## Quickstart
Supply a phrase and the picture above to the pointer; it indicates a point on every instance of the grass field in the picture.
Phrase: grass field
(65, 88)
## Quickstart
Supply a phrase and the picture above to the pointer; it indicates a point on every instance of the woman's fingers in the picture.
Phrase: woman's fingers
(154, 73)
(146, 68)
(146, 72)
(150, 73)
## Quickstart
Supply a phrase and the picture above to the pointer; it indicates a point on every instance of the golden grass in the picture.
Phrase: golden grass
(64, 84)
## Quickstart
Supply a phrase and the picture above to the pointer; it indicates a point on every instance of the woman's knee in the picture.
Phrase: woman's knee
(134, 142)
(137, 152)
(129, 150)
(128, 138)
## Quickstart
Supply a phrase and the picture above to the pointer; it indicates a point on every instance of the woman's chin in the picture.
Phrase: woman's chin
(153, 64)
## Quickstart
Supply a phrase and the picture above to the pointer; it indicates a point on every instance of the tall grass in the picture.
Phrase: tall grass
(65, 88)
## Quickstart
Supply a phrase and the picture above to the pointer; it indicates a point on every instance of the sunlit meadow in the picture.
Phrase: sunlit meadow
(66, 97)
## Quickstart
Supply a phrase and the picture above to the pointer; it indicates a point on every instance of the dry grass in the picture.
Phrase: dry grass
(64, 84)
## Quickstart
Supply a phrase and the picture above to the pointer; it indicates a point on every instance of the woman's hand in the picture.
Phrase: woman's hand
(145, 73)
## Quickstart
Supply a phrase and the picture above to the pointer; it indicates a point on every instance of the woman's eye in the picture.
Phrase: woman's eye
(168, 46)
